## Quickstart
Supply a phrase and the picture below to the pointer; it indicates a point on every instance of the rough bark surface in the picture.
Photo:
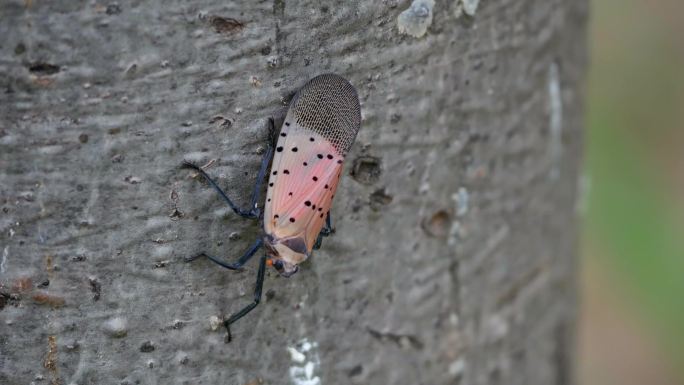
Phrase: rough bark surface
(454, 256)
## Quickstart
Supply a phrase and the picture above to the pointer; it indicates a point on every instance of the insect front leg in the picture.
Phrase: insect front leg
(257, 297)
(235, 265)
(253, 211)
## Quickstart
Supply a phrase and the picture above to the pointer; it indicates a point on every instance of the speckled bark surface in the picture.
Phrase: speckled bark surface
(454, 256)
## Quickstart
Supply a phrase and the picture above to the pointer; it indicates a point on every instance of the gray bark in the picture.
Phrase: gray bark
(455, 253)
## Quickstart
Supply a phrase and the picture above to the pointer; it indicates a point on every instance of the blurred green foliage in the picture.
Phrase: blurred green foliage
(634, 135)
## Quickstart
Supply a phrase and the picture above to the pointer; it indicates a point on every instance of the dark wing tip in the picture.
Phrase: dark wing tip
(329, 105)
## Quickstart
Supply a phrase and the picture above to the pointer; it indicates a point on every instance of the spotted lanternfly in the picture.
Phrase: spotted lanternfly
(319, 129)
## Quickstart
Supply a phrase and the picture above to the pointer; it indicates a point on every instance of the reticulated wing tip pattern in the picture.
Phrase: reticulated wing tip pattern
(329, 105)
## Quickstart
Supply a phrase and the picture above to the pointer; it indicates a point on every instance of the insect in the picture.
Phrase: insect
(321, 124)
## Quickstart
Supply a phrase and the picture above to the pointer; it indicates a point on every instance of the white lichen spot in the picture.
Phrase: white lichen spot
(424, 187)
(416, 19)
(555, 120)
(456, 367)
(214, 323)
(309, 369)
(162, 251)
(116, 327)
(453, 319)
(468, 7)
(462, 202)
(296, 356)
(3, 263)
(305, 361)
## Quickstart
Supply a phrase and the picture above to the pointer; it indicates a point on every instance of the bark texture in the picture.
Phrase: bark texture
(454, 256)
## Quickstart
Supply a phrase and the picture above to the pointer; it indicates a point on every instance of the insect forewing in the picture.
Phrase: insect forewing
(318, 131)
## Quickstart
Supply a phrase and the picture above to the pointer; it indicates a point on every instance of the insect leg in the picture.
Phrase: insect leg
(260, 178)
(319, 241)
(257, 297)
(243, 213)
(325, 231)
(253, 211)
(235, 265)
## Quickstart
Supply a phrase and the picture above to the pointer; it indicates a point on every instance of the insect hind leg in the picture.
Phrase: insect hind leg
(257, 297)
(328, 228)
(235, 265)
(325, 231)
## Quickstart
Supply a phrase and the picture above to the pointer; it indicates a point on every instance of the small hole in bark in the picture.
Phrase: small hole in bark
(225, 25)
(42, 68)
(380, 198)
(355, 371)
(439, 224)
(366, 169)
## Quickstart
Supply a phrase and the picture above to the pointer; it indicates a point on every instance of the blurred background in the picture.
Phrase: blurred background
(632, 315)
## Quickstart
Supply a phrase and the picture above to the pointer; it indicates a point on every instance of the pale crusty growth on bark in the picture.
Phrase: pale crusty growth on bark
(453, 260)
(416, 19)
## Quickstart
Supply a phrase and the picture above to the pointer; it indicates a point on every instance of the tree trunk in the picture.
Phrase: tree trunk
(454, 256)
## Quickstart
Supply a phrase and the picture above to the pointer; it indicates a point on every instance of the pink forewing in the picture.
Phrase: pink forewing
(303, 180)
